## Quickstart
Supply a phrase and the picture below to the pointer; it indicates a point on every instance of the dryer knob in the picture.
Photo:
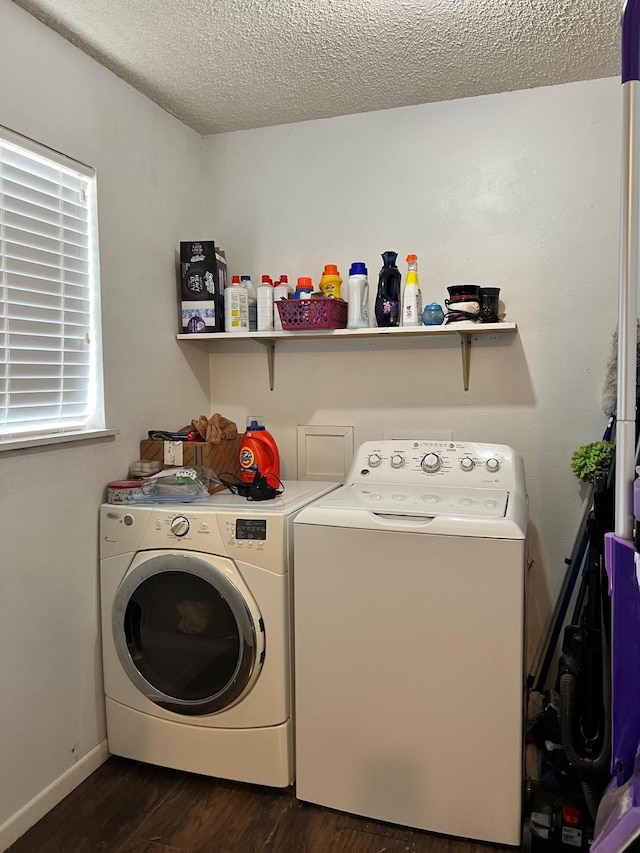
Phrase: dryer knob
(467, 463)
(374, 460)
(431, 463)
(492, 465)
(179, 526)
(397, 461)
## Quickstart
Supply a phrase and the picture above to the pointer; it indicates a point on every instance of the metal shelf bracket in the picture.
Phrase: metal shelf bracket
(270, 345)
(465, 344)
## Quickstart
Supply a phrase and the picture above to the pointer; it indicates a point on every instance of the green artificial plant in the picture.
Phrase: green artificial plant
(590, 458)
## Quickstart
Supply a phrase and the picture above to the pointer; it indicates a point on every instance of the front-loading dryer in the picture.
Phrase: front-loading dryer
(196, 625)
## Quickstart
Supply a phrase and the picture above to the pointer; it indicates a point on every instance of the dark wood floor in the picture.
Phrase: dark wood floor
(126, 807)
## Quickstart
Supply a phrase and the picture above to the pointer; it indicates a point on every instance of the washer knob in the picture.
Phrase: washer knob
(431, 463)
(492, 465)
(374, 460)
(397, 461)
(179, 526)
(467, 463)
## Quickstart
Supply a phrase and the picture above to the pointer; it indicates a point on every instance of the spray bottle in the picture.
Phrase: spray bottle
(412, 297)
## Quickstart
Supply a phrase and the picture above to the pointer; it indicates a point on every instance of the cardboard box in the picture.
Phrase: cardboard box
(221, 458)
(203, 278)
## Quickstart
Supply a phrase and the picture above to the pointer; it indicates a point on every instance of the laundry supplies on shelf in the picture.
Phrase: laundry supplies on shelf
(281, 290)
(358, 295)
(252, 298)
(236, 307)
(330, 282)
(387, 308)
(411, 296)
(265, 305)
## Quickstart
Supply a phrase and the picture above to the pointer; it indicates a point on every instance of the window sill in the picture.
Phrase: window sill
(56, 438)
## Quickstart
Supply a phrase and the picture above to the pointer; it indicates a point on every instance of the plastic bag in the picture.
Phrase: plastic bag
(177, 484)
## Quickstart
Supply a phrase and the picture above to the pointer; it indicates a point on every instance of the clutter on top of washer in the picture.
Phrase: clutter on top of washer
(181, 485)
(210, 442)
(123, 491)
(140, 469)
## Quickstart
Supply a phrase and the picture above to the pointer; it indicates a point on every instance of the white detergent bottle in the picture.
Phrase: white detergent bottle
(245, 281)
(281, 290)
(358, 297)
(412, 297)
(265, 305)
(236, 307)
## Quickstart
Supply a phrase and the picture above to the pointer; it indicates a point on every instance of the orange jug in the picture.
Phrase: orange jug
(259, 454)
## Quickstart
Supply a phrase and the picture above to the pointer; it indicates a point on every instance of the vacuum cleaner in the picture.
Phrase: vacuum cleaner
(590, 724)
(573, 730)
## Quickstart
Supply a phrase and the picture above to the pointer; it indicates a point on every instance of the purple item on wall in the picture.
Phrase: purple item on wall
(625, 654)
(630, 41)
(618, 821)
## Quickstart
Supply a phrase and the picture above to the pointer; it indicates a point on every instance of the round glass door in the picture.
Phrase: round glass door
(185, 635)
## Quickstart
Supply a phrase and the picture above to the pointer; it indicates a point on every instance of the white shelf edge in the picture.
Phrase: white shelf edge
(372, 332)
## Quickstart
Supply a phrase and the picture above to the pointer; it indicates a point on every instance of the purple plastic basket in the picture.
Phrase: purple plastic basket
(312, 314)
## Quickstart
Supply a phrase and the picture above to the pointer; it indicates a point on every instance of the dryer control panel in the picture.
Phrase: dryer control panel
(250, 537)
(454, 464)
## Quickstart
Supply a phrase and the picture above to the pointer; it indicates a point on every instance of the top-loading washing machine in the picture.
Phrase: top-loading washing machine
(196, 633)
(409, 611)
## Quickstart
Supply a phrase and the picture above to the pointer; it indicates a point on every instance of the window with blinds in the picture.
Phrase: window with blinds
(50, 345)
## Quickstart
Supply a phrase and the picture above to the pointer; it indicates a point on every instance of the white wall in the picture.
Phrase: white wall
(149, 173)
(518, 191)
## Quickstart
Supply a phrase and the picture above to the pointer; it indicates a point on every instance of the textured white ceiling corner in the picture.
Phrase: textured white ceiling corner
(221, 65)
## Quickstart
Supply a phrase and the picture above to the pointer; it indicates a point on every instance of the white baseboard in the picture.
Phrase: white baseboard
(38, 807)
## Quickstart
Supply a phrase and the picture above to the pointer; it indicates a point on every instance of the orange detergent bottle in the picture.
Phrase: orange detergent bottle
(330, 282)
(259, 454)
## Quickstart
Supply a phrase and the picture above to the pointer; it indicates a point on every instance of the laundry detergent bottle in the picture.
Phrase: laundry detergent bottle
(330, 282)
(387, 307)
(358, 292)
(259, 453)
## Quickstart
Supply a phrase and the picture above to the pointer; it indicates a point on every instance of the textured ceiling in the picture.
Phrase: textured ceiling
(223, 65)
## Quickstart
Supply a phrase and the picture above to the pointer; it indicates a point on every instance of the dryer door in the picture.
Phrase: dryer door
(187, 631)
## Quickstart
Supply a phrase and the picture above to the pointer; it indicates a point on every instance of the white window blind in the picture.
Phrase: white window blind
(50, 344)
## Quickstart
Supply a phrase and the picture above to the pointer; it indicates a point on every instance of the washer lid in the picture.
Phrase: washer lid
(420, 500)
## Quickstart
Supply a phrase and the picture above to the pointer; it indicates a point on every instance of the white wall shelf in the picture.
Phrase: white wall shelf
(466, 332)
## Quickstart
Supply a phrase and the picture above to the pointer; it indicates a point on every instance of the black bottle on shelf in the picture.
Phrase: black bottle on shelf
(387, 308)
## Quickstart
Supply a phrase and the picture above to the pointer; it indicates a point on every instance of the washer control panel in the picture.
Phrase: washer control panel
(450, 463)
